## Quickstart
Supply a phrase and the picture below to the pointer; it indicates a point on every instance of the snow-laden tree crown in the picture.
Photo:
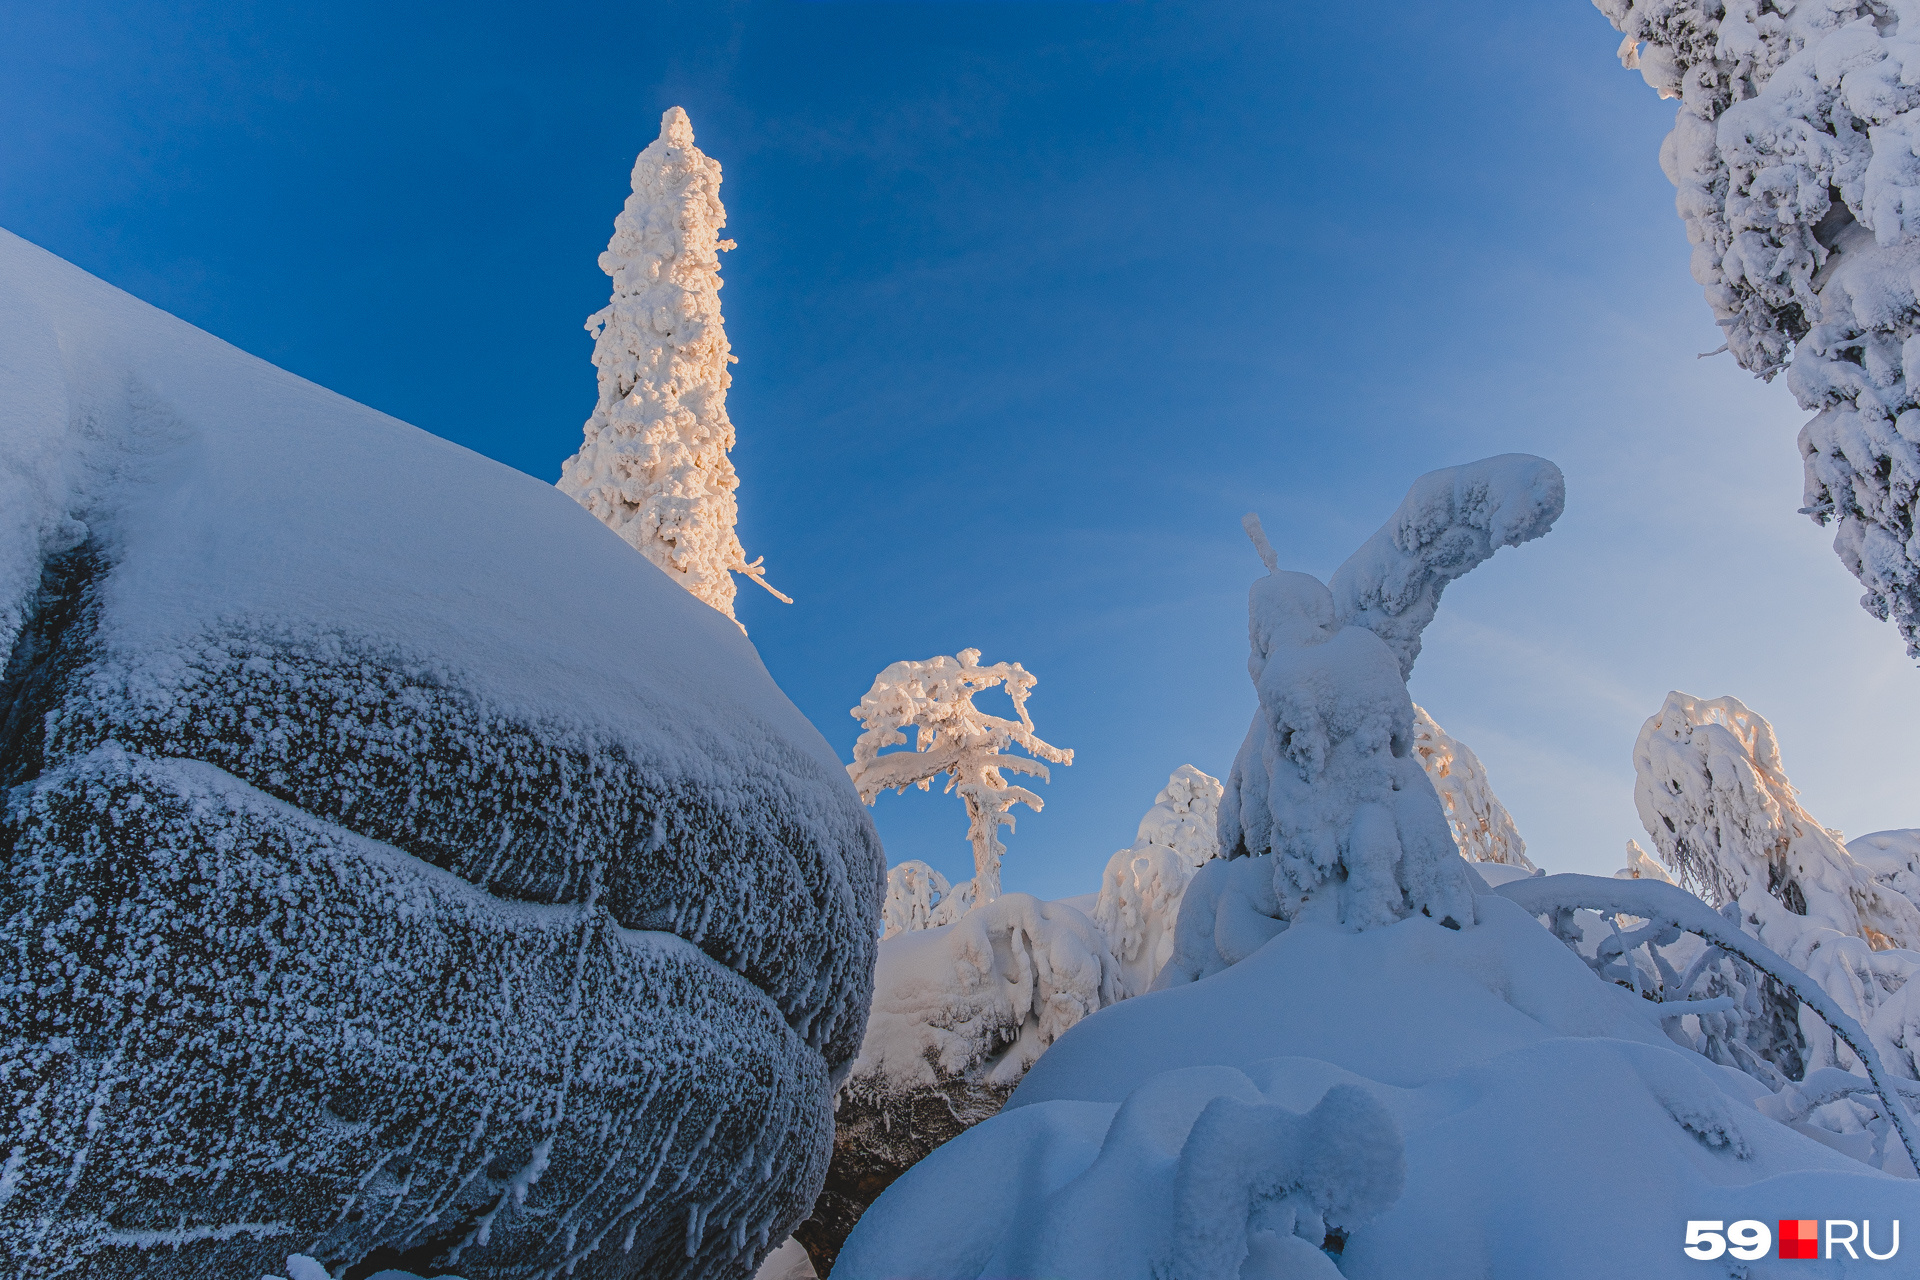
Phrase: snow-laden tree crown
(1793, 152)
(1713, 795)
(1482, 827)
(654, 464)
(954, 737)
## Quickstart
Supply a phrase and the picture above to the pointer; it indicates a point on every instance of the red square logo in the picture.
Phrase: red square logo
(1799, 1238)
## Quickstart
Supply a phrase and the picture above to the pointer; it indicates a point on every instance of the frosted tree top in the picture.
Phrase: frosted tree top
(654, 464)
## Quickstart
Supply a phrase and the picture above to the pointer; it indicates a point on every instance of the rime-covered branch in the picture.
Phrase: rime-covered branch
(955, 738)
(1667, 906)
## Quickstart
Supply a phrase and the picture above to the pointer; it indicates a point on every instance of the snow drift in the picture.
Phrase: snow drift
(399, 867)
(1548, 1127)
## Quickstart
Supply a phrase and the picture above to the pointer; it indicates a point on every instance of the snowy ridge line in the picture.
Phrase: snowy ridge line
(1668, 904)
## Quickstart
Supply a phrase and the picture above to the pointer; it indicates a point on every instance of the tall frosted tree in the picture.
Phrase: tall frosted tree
(654, 465)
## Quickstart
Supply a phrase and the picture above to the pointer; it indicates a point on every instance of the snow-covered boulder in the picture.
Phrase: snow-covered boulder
(1327, 813)
(960, 1012)
(1483, 830)
(1143, 885)
(400, 869)
(1547, 1127)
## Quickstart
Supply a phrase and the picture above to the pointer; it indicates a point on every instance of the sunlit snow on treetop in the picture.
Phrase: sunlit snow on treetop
(654, 465)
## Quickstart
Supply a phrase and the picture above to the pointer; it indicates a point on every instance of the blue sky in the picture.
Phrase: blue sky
(1032, 302)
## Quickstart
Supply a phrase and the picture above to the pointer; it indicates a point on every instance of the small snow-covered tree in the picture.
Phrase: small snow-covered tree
(1641, 867)
(1793, 150)
(654, 466)
(1143, 886)
(915, 892)
(955, 738)
(1482, 827)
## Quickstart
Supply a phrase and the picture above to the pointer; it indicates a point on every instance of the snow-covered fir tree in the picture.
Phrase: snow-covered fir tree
(654, 464)
(1144, 884)
(1482, 827)
(1715, 798)
(954, 737)
(1794, 158)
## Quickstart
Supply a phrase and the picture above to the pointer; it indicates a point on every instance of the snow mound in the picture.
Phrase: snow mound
(1894, 859)
(327, 800)
(1519, 1084)
(983, 996)
(1483, 830)
(1142, 887)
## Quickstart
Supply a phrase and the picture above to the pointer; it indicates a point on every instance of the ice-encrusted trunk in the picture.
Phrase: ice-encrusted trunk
(1327, 815)
(654, 466)
(1793, 154)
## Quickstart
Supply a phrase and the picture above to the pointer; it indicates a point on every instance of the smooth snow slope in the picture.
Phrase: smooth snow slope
(1549, 1128)
(277, 665)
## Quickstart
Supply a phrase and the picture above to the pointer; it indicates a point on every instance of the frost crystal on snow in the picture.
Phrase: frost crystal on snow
(954, 737)
(1482, 827)
(1793, 151)
(1141, 890)
(654, 465)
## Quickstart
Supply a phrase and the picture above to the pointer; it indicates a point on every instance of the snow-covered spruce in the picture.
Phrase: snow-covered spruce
(934, 698)
(1327, 813)
(1641, 867)
(1794, 158)
(519, 919)
(1142, 887)
(654, 465)
(1715, 799)
(960, 1012)
(1482, 828)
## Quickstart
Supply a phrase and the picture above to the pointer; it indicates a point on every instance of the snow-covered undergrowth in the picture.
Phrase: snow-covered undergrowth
(1511, 1099)
(384, 883)
(1794, 158)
